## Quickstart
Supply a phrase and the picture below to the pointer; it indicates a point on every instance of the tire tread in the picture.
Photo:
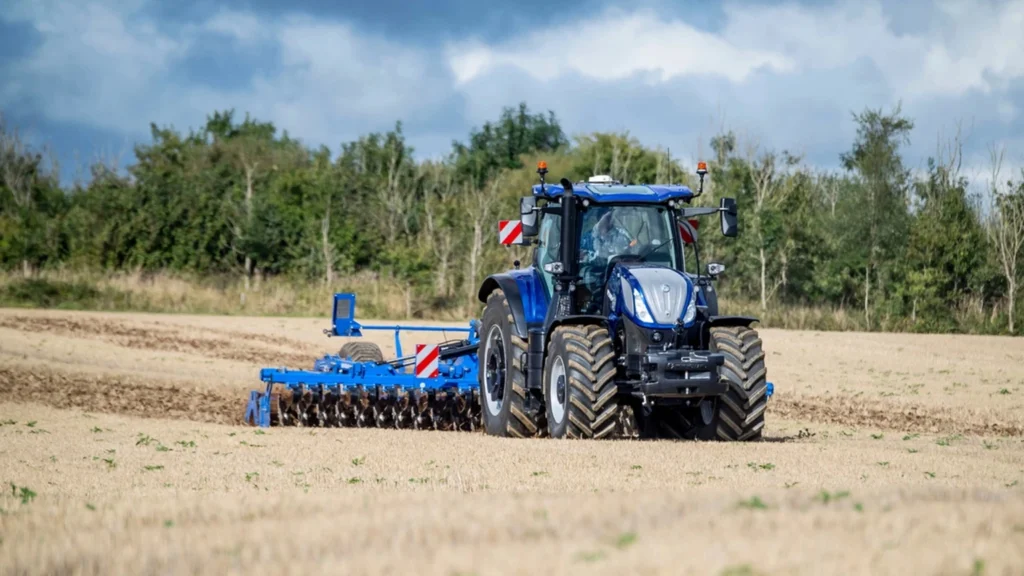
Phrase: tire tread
(593, 410)
(741, 410)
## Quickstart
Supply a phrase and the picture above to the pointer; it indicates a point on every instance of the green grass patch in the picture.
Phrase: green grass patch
(589, 557)
(62, 295)
(625, 540)
(754, 503)
(825, 496)
(23, 493)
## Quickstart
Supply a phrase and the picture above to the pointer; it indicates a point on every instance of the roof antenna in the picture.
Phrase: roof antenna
(669, 153)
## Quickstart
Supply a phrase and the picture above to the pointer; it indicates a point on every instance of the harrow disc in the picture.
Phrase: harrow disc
(375, 407)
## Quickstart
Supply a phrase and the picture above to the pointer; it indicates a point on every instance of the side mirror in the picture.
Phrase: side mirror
(727, 208)
(528, 215)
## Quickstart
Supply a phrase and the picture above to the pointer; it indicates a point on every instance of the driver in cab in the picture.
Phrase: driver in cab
(605, 240)
(602, 242)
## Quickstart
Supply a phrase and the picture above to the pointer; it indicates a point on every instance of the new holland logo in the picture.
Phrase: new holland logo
(666, 288)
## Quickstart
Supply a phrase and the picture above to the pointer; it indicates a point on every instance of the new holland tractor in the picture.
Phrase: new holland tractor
(606, 335)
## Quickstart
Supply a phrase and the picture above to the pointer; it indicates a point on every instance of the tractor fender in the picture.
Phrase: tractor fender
(510, 287)
(577, 319)
(713, 321)
(731, 321)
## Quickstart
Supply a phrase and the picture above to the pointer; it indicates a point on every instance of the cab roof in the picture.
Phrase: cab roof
(632, 193)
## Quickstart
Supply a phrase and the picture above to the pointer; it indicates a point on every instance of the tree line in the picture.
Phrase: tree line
(239, 199)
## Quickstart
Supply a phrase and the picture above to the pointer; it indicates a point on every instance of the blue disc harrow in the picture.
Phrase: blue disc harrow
(434, 389)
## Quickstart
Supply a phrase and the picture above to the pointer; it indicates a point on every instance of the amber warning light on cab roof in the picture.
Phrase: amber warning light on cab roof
(542, 169)
(702, 170)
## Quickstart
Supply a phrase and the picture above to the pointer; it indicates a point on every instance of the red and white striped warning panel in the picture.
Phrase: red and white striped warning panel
(426, 360)
(510, 231)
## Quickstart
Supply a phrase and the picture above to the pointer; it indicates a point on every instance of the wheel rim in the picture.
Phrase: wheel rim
(494, 375)
(556, 390)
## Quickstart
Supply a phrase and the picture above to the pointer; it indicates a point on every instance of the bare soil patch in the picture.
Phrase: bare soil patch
(210, 343)
(847, 410)
(119, 395)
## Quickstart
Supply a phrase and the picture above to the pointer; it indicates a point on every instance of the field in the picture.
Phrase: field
(122, 452)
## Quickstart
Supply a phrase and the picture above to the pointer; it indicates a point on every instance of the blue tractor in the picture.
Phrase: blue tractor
(606, 334)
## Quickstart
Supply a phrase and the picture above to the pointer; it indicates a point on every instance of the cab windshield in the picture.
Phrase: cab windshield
(606, 232)
(639, 231)
(613, 233)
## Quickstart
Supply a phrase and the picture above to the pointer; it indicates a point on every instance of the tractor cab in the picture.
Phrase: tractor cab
(607, 234)
(638, 226)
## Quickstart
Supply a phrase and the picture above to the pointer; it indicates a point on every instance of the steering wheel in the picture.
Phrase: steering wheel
(623, 258)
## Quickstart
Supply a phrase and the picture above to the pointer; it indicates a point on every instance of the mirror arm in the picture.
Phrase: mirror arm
(702, 211)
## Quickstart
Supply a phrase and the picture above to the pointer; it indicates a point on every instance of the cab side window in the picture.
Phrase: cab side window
(547, 248)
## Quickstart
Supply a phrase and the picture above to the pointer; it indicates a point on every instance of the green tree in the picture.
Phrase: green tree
(875, 214)
(499, 145)
(30, 203)
(946, 249)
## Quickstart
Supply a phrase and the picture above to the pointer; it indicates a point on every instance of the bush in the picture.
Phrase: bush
(44, 293)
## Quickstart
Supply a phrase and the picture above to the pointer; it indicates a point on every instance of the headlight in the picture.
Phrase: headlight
(640, 307)
(691, 308)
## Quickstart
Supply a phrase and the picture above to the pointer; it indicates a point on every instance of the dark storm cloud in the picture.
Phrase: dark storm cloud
(87, 75)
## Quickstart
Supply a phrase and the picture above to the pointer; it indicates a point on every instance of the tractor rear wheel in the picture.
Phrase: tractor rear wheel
(508, 406)
(741, 409)
(361, 352)
(580, 392)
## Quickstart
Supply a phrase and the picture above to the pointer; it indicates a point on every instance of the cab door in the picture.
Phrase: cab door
(547, 251)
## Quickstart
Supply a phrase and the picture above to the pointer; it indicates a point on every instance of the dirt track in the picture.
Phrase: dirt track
(886, 454)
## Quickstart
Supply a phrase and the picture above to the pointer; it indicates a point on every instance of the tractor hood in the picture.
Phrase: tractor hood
(653, 296)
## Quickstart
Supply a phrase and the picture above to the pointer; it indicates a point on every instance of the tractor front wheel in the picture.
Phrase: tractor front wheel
(580, 392)
(741, 409)
(508, 407)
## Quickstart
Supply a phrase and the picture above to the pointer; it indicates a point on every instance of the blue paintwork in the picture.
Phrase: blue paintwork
(701, 300)
(345, 324)
(620, 308)
(458, 373)
(631, 194)
(535, 297)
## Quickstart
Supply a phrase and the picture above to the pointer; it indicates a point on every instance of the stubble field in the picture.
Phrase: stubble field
(122, 452)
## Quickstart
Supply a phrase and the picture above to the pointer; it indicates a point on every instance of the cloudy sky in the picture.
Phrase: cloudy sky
(86, 77)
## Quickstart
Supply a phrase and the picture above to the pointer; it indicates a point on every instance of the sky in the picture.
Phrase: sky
(87, 77)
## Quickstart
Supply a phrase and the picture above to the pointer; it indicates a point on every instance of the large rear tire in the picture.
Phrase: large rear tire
(508, 408)
(580, 393)
(741, 409)
(361, 352)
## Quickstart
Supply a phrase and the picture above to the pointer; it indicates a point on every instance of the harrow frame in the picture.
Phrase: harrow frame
(381, 389)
